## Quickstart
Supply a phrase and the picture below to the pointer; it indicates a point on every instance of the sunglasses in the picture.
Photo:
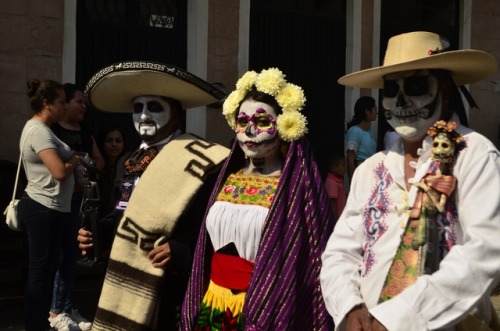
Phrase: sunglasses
(414, 86)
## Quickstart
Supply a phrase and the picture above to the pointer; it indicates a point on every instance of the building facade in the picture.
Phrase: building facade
(313, 42)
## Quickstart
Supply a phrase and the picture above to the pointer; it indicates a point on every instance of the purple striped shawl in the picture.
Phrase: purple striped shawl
(284, 291)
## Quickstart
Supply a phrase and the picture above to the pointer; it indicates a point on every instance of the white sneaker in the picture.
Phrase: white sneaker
(82, 322)
(63, 322)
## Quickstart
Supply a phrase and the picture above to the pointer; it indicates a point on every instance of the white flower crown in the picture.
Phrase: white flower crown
(291, 124)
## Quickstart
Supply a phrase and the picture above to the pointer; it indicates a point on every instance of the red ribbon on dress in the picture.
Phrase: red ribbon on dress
(231, 271)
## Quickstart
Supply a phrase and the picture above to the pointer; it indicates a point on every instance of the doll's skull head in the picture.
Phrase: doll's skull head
(412, 102)
(443, 148)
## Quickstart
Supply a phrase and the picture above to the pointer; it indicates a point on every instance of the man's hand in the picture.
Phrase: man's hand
(85, 240)
(359, 319)
(160, 255)
(377, 326)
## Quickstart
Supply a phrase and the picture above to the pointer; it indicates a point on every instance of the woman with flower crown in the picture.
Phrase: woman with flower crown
(257, 260)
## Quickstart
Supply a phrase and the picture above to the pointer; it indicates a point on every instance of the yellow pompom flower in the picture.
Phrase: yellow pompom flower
(246, 81)
(291, 125)
(291, 97)
(270, 81)
(231, 105)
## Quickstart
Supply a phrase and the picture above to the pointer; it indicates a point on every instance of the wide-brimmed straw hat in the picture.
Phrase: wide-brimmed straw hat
(114, 87)
(424, 50)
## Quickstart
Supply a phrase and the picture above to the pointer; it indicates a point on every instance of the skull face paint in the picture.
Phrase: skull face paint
(412, 102)
(256, 130)
(151, 114)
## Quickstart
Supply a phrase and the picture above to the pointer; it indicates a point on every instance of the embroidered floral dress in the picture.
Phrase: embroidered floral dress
(234, 223)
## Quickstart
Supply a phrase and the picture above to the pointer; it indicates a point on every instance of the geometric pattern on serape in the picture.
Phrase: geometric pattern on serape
(131, 231)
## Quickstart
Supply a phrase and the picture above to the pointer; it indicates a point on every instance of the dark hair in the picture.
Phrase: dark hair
(455, 102)
(39, 90)
(335, 159)
(70, 90)
(362, 104)
(262, 97)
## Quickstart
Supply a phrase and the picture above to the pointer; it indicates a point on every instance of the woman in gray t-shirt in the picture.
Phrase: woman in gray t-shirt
(48, 163)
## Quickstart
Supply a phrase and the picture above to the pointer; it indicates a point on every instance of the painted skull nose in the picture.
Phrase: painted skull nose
(401, 101)
(250, 130)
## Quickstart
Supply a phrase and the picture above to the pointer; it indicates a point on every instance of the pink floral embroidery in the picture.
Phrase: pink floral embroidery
(229, 188)
(251, 191)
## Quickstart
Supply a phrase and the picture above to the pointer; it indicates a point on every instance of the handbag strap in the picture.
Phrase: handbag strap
(19, 163)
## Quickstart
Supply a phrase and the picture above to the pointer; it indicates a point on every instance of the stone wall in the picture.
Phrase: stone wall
(31, 44)
(485, 23)
(223, 36)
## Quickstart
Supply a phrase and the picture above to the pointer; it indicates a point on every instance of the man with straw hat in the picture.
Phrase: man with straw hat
(377, 272)
(165, 188)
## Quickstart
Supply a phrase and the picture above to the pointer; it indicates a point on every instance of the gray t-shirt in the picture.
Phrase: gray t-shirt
(42, 187)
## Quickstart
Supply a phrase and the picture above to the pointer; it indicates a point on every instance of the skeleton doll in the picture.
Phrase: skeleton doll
(434, 189)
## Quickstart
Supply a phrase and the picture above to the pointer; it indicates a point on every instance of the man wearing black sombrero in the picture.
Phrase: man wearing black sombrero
(385, 268)
(164, 191)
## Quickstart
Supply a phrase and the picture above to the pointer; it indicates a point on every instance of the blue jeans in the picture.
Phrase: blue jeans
(70, 253)
(44, 232)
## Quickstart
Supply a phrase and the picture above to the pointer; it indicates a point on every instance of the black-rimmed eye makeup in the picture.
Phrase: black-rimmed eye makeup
(152, 106)
(413, 86)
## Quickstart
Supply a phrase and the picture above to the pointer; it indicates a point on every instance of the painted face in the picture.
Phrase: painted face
(76, 107)
(256, 130)
(151, 114)
(113, 144)
(412, 103)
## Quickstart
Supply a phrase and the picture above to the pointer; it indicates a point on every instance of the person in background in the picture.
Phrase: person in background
(115, 151)
(168, 181)
(112, 144)
(62, 313)
(334, 183)
(360, 143)
(49, 164)
(257, 259)
(417, 247)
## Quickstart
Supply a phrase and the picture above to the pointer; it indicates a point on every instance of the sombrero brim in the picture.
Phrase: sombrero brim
(113, 88)
(466, 66)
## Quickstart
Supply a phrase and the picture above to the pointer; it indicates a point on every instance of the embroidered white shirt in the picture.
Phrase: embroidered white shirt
(362, 247)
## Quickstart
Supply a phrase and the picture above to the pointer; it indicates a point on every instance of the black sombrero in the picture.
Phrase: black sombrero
(114, 87)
